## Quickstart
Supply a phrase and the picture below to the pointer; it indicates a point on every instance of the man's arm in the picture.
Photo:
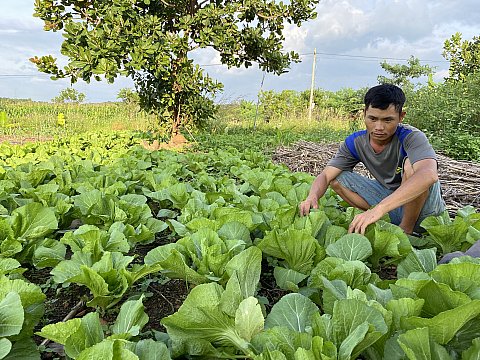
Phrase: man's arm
(425, 174)
(318, 189)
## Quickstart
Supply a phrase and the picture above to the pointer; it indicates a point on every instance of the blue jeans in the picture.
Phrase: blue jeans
(373, 192)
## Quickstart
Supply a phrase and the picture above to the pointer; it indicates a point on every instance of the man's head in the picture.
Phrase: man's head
(382, 96)
(383, 112)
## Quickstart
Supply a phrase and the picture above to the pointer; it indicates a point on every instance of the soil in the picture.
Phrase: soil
(177, 142)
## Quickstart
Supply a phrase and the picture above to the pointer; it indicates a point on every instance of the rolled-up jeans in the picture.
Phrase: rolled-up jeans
(373, 192)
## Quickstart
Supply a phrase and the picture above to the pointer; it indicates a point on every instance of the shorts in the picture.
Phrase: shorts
(373, 192)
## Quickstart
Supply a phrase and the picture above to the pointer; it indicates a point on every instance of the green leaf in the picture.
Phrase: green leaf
(354, 273)
(131, 319)
(244, 271)
(151, 350)
(332, 291)
(445, 232)
(463, 277)
(60, 332)
(249, 318)
(404, 308)
(11, 315)
(387, 240)
(48, 254)
(350, 314)
(68, 269)
(281, 340)
(30, 294)
(473, 352)
(199, 322)
(445, 325)
(108, 349)
(351, 247)
(8, 265)
(333, 233)
(297, 247)
(235, 230)
(33, 221)
(87, 334)
(24, 349)
(293, 311)
(417, 261)
(170, 257)
(288, 279)
(5, 347)
(353, 339)
(417, 345)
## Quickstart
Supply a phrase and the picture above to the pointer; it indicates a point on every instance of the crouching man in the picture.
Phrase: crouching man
(399, 157)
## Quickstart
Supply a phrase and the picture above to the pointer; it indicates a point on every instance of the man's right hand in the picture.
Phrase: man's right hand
(305, 206)
(319, 186)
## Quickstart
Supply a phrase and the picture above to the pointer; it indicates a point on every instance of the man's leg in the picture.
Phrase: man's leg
(361, 192)
(411, 210)
(351, 197)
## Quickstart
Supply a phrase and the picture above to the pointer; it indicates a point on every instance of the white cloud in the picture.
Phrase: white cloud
(295, 38)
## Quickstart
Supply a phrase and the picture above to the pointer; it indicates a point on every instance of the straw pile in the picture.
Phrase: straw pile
(460, 179)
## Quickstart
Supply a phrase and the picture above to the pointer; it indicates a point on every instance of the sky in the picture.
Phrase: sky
(351, 37)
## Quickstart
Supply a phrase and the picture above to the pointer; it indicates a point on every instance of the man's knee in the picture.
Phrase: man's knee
(335, 185)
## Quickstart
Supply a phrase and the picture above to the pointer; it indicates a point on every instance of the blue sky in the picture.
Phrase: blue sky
(352, 37)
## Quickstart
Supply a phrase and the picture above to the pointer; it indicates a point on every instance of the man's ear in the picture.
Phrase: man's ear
(402, 115)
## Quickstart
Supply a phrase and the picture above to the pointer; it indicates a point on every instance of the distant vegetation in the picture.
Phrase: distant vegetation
(448, 112)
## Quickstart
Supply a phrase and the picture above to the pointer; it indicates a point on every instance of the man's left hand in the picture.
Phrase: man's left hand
(361, 221)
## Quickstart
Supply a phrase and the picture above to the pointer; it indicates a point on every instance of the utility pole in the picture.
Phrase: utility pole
(258, 102)
(311, 104)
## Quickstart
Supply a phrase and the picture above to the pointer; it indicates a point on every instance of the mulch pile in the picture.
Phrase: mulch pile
(460, 179)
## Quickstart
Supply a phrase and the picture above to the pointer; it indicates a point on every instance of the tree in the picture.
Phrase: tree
(149, 41)
(464, 56)
(128, 96)
(69, 95)
(401, 74)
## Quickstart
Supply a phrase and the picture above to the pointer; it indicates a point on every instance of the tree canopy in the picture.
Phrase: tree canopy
(401, 74)
(149, 41)
(464, 56)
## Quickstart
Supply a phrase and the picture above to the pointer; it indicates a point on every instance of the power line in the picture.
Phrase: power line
(371, 57)
(335, 57)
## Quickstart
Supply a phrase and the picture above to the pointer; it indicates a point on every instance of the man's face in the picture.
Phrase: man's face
(382, 124)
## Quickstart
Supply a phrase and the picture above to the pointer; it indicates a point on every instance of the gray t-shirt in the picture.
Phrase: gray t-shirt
(385, 166)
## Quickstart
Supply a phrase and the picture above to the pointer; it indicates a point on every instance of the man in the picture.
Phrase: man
(399, 157)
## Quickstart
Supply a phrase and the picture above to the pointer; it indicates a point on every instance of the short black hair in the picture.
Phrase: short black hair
(382, 96)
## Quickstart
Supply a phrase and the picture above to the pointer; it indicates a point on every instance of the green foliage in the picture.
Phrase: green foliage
(31, 119)
(230, 219)
(453, 234)
(85, 338)
(149, 41)
(449, 112)
(21, 308)
(401, 75)
(128, 96)
(464, 56)
(278, 106)
(69, 95)
(347, 101)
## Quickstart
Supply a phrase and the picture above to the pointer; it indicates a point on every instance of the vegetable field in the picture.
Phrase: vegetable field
(117, 229)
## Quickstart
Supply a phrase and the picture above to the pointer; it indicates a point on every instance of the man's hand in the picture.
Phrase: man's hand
(305, 206)
(361, 221)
